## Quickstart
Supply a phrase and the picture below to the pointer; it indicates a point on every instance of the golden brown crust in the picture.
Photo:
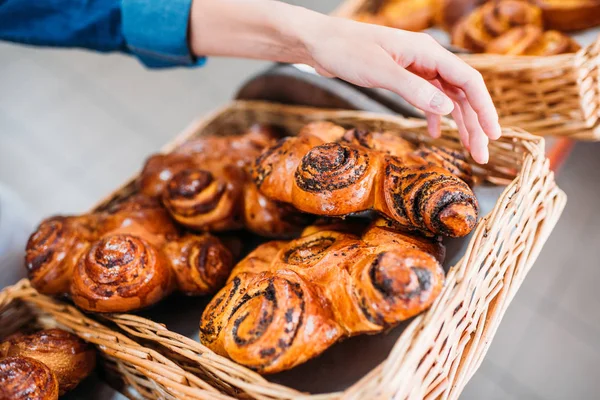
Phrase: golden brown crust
(569, 15)
(447, 13)
(205, 185)
(69, 358)
(54, 249)
(26, 378)
(532, 41)
(201, 263)
(287, 302)
(121, 273)
(206, 200)
(417, 188)
(410, 15)
(491, 20)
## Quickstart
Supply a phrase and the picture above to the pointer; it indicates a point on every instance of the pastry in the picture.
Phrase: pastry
(126, 257)
(448, 12)
(569, 15)
(26, 378)
(410, 15)
(287, 302)
(491, 20)
(353, 175)
(532, 41)
(68, 358)
(205, 186)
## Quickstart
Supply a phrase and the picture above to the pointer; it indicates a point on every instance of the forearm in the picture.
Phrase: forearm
(259, 29)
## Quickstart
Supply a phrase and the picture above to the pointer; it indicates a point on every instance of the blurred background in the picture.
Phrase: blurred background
(74, 125)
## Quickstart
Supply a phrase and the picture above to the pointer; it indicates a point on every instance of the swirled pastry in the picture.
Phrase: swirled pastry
(447, 13)
(205, 186)
(54, 249)
(26, 378)
(532, 41)
(362, 171)
(493, 19)
(287, 302)
(68, 358)
(126, 257)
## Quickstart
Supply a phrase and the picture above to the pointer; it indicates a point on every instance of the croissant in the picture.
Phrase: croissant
(26, 378)
(126, 257)
(410, 15)
(569, 15)
(68, 359)
(205, 186)
(493, 19)
(532, 41)
(352, 175)
(287, 302)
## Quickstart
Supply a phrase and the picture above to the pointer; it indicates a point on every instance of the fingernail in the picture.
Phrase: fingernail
(441, 103)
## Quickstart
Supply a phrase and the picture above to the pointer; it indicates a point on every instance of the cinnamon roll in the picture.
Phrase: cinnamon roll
(288, 302)
(428, 199)
(54, 249)
(492, 20)
(121, 273)
(26, 378)
(206, 201)
(418, 188)
(68, 357)
(278, 323)
(201, 263)
(334, 179)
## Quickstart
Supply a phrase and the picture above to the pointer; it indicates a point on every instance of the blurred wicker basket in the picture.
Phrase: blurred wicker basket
(548, 96)
(436, 354)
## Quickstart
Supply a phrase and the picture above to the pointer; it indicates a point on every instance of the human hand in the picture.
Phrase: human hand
(410, 64)
(414, 66)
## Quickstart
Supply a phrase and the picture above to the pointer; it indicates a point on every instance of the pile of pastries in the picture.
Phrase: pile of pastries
(358, 218)
(509, 27)
(43, 365)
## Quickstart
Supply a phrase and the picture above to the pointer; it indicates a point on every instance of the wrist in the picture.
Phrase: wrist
(259, 29)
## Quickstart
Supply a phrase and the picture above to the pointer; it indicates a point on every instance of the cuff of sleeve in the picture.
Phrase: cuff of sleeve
(156, 32)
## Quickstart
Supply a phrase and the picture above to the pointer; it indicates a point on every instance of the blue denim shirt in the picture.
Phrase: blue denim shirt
(155, 31)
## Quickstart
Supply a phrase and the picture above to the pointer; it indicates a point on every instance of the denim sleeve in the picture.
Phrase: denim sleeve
(153, 30)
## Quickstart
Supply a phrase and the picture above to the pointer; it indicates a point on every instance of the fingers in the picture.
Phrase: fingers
(459, 74)
(434, 123)
(414, 89)
(462, 129)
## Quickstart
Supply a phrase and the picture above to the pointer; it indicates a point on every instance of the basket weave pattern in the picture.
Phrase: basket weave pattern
(439, 350)
(548, 96)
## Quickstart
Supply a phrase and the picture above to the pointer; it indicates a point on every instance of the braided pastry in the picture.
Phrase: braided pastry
(569, 15)
(493, 19)
(413, 187)
(532, 41)
(126, 257)
(55, 361)
(288, 302)
(205, 186)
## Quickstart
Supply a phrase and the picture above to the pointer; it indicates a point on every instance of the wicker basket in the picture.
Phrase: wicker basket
(549, 96)
(436, 354)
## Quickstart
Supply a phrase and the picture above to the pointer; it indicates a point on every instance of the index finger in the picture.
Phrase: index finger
(458, 73)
